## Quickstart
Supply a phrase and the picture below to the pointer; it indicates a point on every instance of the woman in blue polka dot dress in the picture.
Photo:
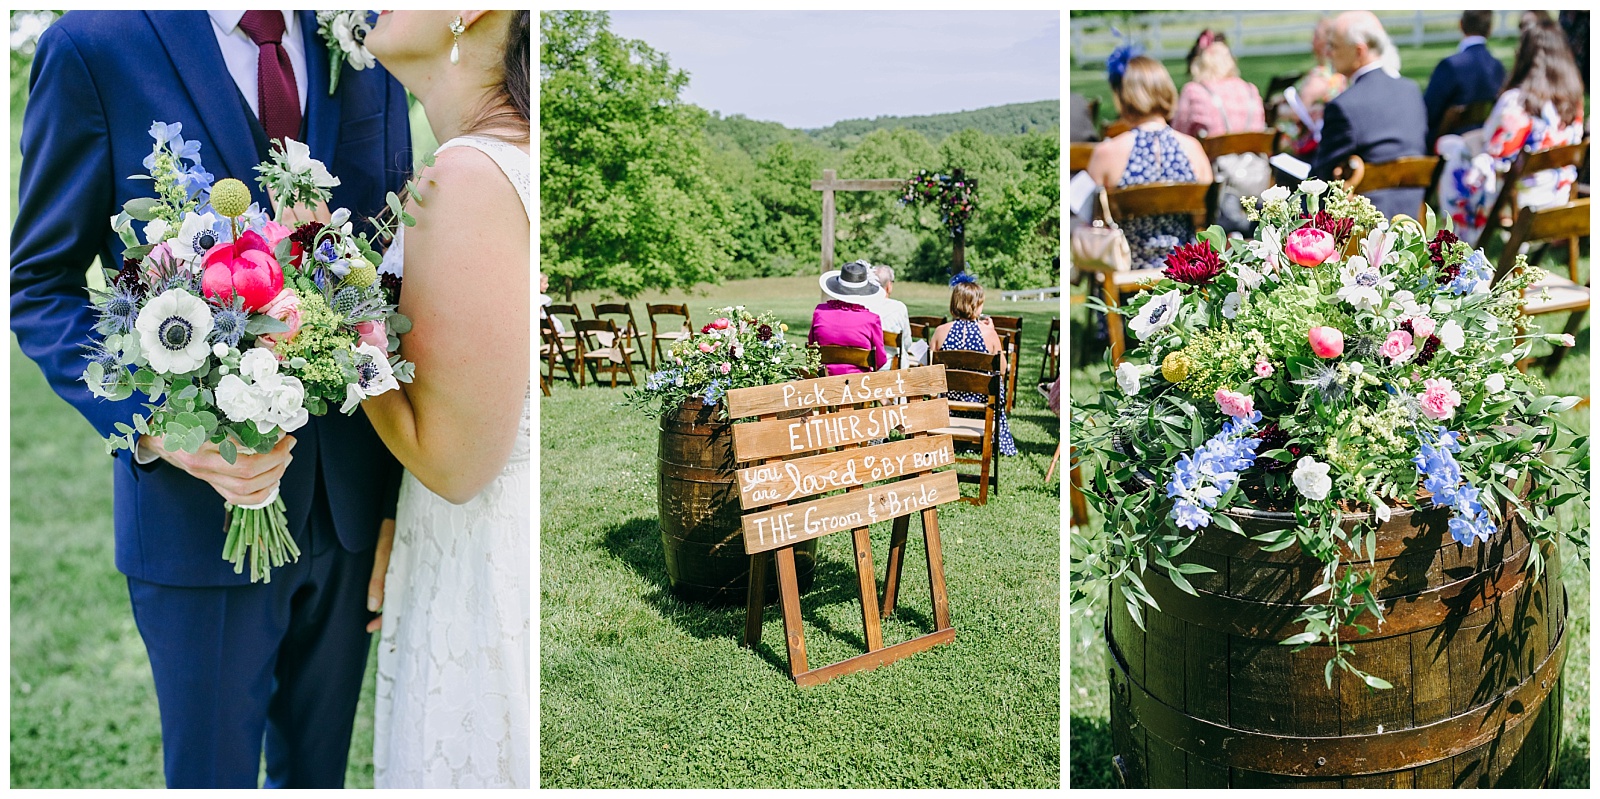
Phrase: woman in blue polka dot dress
(969, 330)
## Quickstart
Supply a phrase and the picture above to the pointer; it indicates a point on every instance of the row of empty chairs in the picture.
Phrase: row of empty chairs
(612, 340)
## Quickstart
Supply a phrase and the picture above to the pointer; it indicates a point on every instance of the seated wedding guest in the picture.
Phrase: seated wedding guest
(1216, 100)
(892, 313)
(544, 300)
(1303, 124)
(1150, 152)
(1471, 75)
(969, 330)
(1541, 108)
(1380, 117)
(1082, 124)
(841, 320)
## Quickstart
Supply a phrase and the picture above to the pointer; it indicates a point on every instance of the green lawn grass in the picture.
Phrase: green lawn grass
(1088, 686)
(638, 689)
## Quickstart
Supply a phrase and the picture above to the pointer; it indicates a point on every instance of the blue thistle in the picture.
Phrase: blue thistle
(228, 323)
(118, 313)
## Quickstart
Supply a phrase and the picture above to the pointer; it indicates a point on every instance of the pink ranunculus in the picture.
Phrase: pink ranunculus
(244, 267)
(373, 332)
(285, 308)
(275, 232)
(1235, 404)
(1309, 246)
(1567, 340)
(162, 253)
(706, 346)
(726, 367)
(1439, 398)
(720, 323)
(1264, 369)
(1398, 347)
(1423, 327)
(1326, 342)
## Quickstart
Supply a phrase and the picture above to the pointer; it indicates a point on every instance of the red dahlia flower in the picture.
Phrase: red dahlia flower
(1193, 264)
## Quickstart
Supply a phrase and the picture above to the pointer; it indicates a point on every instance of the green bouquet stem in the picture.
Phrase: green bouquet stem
(262, 536)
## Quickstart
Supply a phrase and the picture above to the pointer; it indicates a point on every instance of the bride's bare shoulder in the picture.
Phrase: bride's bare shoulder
(464, 180)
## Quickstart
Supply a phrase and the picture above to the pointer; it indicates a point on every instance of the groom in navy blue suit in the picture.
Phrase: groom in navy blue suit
(235, 664)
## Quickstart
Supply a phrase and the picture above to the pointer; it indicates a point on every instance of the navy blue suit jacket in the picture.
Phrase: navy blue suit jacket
(99, 79)
(1470, 76)
(1379, 118)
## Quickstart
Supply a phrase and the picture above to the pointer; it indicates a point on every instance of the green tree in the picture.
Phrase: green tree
(873, 224)
(627, 199)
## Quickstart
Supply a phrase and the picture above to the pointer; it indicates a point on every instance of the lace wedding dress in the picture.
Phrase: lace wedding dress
(453, 695)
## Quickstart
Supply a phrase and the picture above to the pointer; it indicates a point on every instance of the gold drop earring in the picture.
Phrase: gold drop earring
(456, 29)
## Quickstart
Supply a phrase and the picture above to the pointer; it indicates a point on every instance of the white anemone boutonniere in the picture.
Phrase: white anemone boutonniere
(345, 33)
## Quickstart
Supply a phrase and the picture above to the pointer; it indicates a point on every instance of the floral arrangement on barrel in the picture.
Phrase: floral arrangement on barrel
(1281, 374)
(737, 349)
(237, 327)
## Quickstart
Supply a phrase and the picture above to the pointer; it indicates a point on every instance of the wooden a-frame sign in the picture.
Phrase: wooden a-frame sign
(779, 490)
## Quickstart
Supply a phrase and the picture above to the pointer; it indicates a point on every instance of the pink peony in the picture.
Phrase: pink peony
(1264, 369)
(720, 323)
(726, 367)
(373, 332)
(275, 232)
(1235, 404)
(1398, 347)
(1439, 398)
(1423, 326)
(706, 346)
(1326, 342)
(244, 267)
(1309, 246)
(285, 308)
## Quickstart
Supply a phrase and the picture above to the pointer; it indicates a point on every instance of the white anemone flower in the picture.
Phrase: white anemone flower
(1129, 375)
(350, 29)
(197, 235)
(298, 156)
(1156, 314)
(172, 332)
(1364, 284)
(1231, 303)
(1311, 479)
(373, 376)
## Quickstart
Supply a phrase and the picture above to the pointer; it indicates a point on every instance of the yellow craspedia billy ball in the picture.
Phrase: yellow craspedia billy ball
(362, 274)
(1175, 367)
(230, 197)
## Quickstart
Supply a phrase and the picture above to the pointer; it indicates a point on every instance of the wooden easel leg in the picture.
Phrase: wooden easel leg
(758, 595)
(789, 597)
(897, 559)
(930, 537)
(867, 577)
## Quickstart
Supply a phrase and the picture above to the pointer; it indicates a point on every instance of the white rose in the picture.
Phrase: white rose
(1313, 187)
(1452, 336)
(1311, 479)
(1128, 376)
(1495, 383)
(1275, 194)
(239, 401)
(259, 364)
(286, 407)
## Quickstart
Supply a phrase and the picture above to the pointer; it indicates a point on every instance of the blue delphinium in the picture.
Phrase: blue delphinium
(1200, 480)
(714, 392)
(1441, 475)
(662, 379)
(1474, 271)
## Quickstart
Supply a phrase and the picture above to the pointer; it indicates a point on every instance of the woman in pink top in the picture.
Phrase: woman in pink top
(1216, 100)
(841, 321)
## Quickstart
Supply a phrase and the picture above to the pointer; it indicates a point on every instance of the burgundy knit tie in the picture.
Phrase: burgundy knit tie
(278, 99)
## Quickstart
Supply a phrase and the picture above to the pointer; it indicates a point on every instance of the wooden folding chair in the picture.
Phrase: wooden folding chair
(1472, 115)
(665, 336)
(859, 357)
(622, 314)
(1134, 202)
(1010, 330)
(979, 422)
(1050, 367)
(1408, 172)
(565, 352)
(1079, 155)
(565, 315)
(1115, 128)
(1237, 143)
(605, 347)
(923, 326)
(891, 341)
(1502, 214)
(1568, 222)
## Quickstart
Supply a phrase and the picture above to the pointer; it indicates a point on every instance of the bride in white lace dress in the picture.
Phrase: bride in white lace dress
(453, 698)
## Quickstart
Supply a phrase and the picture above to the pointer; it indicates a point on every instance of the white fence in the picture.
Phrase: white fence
(1167, 35)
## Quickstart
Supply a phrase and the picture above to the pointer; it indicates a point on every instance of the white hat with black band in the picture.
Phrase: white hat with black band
(851, 283)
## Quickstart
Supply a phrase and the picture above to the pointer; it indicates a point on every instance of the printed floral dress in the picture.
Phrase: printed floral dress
(1472, 179)
(1157, 157)
(964, 334)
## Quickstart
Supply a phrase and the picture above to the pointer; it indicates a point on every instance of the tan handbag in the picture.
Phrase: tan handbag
(1101, 246)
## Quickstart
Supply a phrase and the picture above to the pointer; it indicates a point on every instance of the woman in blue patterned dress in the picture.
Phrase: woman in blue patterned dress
(971, 331)
(1150, 152)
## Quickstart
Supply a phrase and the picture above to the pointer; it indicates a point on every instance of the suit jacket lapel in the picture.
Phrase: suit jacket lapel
(190, 44)
(322, 110)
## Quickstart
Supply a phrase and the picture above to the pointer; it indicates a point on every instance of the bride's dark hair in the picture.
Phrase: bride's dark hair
(508, 106)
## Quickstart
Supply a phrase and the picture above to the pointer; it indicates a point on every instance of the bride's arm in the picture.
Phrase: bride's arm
(466, 291)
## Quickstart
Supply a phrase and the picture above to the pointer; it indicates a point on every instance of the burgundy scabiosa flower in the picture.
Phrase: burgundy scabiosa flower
(764, 333)
(1274, 437)
(1438, 249)
(130, 277)
(1429, 346)
(1193, 264)
(305, 235)
(1340, 229)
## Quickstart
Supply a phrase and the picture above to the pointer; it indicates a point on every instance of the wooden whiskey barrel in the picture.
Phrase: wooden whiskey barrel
(1205, 696)
(699, 512)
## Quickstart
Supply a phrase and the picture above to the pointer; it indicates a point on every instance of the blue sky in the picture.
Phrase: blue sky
(809, 69)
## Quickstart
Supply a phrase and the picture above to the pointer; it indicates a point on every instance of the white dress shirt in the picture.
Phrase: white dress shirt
(241, 54)
(895, 319)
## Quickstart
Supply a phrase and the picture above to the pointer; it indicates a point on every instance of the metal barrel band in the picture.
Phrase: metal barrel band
(1403, 614)
(1351, 755)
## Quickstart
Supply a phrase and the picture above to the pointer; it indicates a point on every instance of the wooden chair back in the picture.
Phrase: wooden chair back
(627, 327)
(1050, 367)
(604, 346)
(975, 373)
(1408, 172)
(569, 310)
(1010, 330)
(1116, 127)
(1472, 115)
(1527, 163)
(660, 336)
(859, 357)
(559, 351)
(1236, 143)
(923, 326)
(1151, 199)
(891, 340)
(1568, 222)
(1080, 153)
(968, 361)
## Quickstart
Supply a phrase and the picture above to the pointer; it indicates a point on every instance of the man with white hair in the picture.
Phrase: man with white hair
(896, 318)
(1380, 117)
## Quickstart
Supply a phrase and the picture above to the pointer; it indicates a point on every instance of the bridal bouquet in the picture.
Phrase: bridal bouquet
(237, 327)
(737, 349)
(1336, 363)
